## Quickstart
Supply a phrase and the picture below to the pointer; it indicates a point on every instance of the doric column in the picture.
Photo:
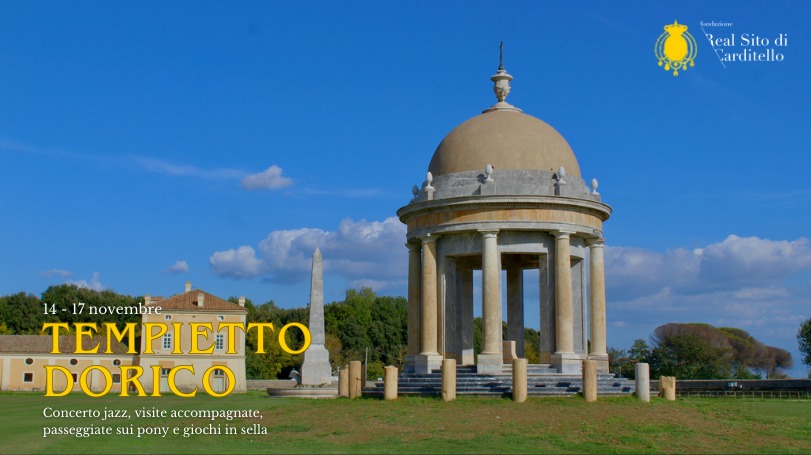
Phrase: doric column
(546, 285)
(491, 294)
(428, 339)
(597, 304)
(428, 359)
(564, 358)
(490, 360)
(414, 301)
(563, 294)
(464, 289)
(515, 306)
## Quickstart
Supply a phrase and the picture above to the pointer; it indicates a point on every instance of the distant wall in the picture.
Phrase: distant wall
(263, 384)
(742, 385)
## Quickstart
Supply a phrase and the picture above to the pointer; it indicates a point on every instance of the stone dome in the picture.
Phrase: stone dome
(506, 139)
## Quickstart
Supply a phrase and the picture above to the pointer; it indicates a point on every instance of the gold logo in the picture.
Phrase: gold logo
(675, 48)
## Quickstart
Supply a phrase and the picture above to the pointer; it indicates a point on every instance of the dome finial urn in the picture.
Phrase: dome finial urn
(501, 85)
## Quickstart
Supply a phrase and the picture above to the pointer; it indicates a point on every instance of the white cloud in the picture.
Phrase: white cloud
(56, 272)
(364, 252)
(165, 167)
(733, 264)
(239, 263)
(269, 179)
(756, 284)
(632, 271)
(356, 193)
(16, 146)
(745, 260)
(177, 267)
(94, 283)
(760, 293)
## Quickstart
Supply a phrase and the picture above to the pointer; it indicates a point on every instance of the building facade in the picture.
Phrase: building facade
(172, 349)
(23, 357)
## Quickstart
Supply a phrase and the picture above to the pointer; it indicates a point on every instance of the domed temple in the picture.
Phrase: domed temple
(503, 191)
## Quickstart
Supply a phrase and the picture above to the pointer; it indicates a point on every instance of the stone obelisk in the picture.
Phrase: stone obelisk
(316, 369)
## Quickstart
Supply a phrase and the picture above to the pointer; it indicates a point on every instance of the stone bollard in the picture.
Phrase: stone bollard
(390, 383)
(343, 381)
(590, 380)
(642, 371)
(355, 384)
(667, 388)
(519, 380)
(448, 380)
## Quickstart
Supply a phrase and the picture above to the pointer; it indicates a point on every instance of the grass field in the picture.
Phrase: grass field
(422, 425)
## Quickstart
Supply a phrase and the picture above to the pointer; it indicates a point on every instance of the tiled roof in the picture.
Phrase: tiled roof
(189, 301)
(41, 344)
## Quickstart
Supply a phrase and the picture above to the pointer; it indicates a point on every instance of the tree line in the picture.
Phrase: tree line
(24, 314)
(362, 326)
(701, 351)
(365, 326)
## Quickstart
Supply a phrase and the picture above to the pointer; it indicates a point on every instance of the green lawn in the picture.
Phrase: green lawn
(618, 425)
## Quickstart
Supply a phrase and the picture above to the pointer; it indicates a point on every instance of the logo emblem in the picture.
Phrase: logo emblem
(675, 48)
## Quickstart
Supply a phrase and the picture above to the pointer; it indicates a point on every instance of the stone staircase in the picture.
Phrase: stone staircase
(542, 380)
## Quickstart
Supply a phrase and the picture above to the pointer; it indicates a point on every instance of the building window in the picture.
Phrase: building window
(219, 373)
(219, 342)
(29, 361)
(220, 318)
(164, 372)
(74, 362)
(168, 317)
(28, 377)
(167, 341)
(75, 377)
(116, 362)
(116, 378)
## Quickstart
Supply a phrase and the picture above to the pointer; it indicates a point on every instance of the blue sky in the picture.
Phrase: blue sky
(143, 145)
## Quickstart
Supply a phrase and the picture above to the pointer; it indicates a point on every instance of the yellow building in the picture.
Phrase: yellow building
(179, 311)
(23, 357)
